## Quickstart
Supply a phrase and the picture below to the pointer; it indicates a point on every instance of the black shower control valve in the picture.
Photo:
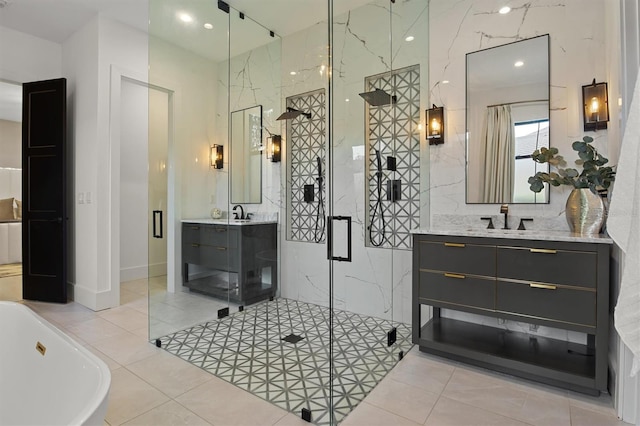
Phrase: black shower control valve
(309, 193)
(391, 164)
(490, 219)
(394, 190)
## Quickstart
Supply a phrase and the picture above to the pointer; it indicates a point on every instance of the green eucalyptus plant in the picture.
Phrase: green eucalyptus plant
(594, 175)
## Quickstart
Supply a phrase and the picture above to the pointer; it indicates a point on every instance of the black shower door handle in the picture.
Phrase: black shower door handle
(157, 224)
(330, 255)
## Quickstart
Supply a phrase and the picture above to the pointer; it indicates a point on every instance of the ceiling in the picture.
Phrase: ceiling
(57, 20)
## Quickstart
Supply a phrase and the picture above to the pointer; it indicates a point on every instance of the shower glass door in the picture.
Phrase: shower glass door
(375, 162)
(188, 55)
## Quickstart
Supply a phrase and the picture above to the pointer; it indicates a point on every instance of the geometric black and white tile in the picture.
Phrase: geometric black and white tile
(248, 350)
(394, 131)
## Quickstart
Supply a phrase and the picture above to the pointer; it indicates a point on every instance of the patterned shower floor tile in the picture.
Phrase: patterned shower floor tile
(248, 350)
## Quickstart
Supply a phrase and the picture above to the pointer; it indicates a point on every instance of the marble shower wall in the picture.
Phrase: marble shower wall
(577, 56)
(254, 79)
(378, 281)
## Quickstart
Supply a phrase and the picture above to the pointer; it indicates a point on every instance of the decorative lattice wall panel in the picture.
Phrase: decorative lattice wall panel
(306, 143)
(393, 130)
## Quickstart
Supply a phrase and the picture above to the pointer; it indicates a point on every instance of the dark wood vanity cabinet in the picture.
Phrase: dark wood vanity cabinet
(237, 263)
(559, 284)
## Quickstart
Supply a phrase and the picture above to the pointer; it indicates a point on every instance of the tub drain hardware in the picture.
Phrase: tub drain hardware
(41, 348)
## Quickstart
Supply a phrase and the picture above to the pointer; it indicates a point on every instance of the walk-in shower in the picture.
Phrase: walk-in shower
(334, 278)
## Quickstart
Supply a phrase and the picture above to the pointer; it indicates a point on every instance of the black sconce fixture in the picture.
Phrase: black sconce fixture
(274, 144)
(435, 125)
(217, 156)
(596, 106)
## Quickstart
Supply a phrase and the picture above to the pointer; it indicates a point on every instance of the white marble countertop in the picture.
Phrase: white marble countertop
(518, 235)
(234, 222)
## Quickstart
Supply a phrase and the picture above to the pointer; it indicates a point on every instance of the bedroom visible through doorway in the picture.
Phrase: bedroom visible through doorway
(10, 191)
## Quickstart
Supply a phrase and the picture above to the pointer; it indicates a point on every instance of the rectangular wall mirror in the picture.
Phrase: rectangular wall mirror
(507, 118)
(246, 159)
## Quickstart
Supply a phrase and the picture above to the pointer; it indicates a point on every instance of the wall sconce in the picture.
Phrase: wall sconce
(274, 145)
(435, 125)
(217, 156)
(596, 106)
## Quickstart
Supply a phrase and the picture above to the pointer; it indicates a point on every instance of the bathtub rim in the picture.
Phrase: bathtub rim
(98, 402)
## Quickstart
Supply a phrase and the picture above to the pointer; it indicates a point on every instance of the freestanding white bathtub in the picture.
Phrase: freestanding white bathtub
(45, 377)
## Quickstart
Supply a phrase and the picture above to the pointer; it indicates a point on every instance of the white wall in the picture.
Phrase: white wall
(28, 58)
(11, 144)
(578, 53)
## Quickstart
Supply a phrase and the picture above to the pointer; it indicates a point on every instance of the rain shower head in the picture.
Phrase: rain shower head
(378, 97)
(292, 113)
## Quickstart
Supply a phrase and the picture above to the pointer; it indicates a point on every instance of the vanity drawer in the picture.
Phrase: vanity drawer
(192, 233)
(574, 268)
(547, 302)
(458, 257)
(220, 236)
(457, 289)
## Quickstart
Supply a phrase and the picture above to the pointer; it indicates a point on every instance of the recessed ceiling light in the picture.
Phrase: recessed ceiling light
(445, 81)
(293, 73)
(346, 100)
(518, 64)
(504, 10)
(409, 38)
(208, 26)
(185, 17)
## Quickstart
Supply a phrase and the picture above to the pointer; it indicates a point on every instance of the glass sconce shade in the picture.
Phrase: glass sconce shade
(217, 156)
(595, 106)
(274, 146)
(435, 125)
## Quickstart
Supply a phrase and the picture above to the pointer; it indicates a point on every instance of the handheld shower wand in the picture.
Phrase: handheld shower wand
(320, 213)
(378, 207)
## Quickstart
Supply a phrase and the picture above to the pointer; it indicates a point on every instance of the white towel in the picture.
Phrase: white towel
(623, 226)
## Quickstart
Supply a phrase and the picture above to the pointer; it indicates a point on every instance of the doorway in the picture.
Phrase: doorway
(10, 191)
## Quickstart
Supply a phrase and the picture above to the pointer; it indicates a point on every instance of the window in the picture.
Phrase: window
(529, 136)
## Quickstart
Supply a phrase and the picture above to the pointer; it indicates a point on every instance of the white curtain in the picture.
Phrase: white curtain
(497, 153)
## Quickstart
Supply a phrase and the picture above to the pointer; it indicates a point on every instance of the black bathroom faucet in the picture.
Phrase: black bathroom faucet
(241, 212)
(505, 209)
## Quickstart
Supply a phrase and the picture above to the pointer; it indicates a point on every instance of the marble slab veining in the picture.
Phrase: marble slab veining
(514, 234)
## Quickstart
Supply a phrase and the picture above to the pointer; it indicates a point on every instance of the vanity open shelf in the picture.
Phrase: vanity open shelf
(559, 284)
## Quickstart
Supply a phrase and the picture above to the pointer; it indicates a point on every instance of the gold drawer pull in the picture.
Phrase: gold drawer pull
(221, 229)
(454, 245)
(221, 248)
(195, 228)
(545, 286)
(459, 276)
(546, 251)
(195, 245)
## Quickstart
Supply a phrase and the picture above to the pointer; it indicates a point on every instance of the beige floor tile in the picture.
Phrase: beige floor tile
(125, 317)
(369, 415)
(126, 349)
(96, 329)
(130, 397)
(602, 404)
(502, 397)
(137, 286)
(448, 412)
(291, 420)
(404, 400)
(422, 372)
(127, 296)
(110, 362)
(583, 417)
(169, 374)
(11, 288)
(221, 403)
(170, 413)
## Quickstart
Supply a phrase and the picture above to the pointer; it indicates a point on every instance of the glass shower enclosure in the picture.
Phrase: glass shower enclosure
(296, 160)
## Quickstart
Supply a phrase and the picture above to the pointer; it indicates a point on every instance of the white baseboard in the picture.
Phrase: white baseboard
(96, 301)
(141, 272)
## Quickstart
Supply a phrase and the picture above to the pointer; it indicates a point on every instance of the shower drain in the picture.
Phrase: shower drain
(292, 338)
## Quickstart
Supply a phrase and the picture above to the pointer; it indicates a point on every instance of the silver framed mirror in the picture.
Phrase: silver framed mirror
(246, 156)
(507, 118)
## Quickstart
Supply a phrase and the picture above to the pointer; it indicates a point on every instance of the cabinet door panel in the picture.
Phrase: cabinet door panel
(574, 268)
(458, 257)
(468, 291)
(547, 302)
